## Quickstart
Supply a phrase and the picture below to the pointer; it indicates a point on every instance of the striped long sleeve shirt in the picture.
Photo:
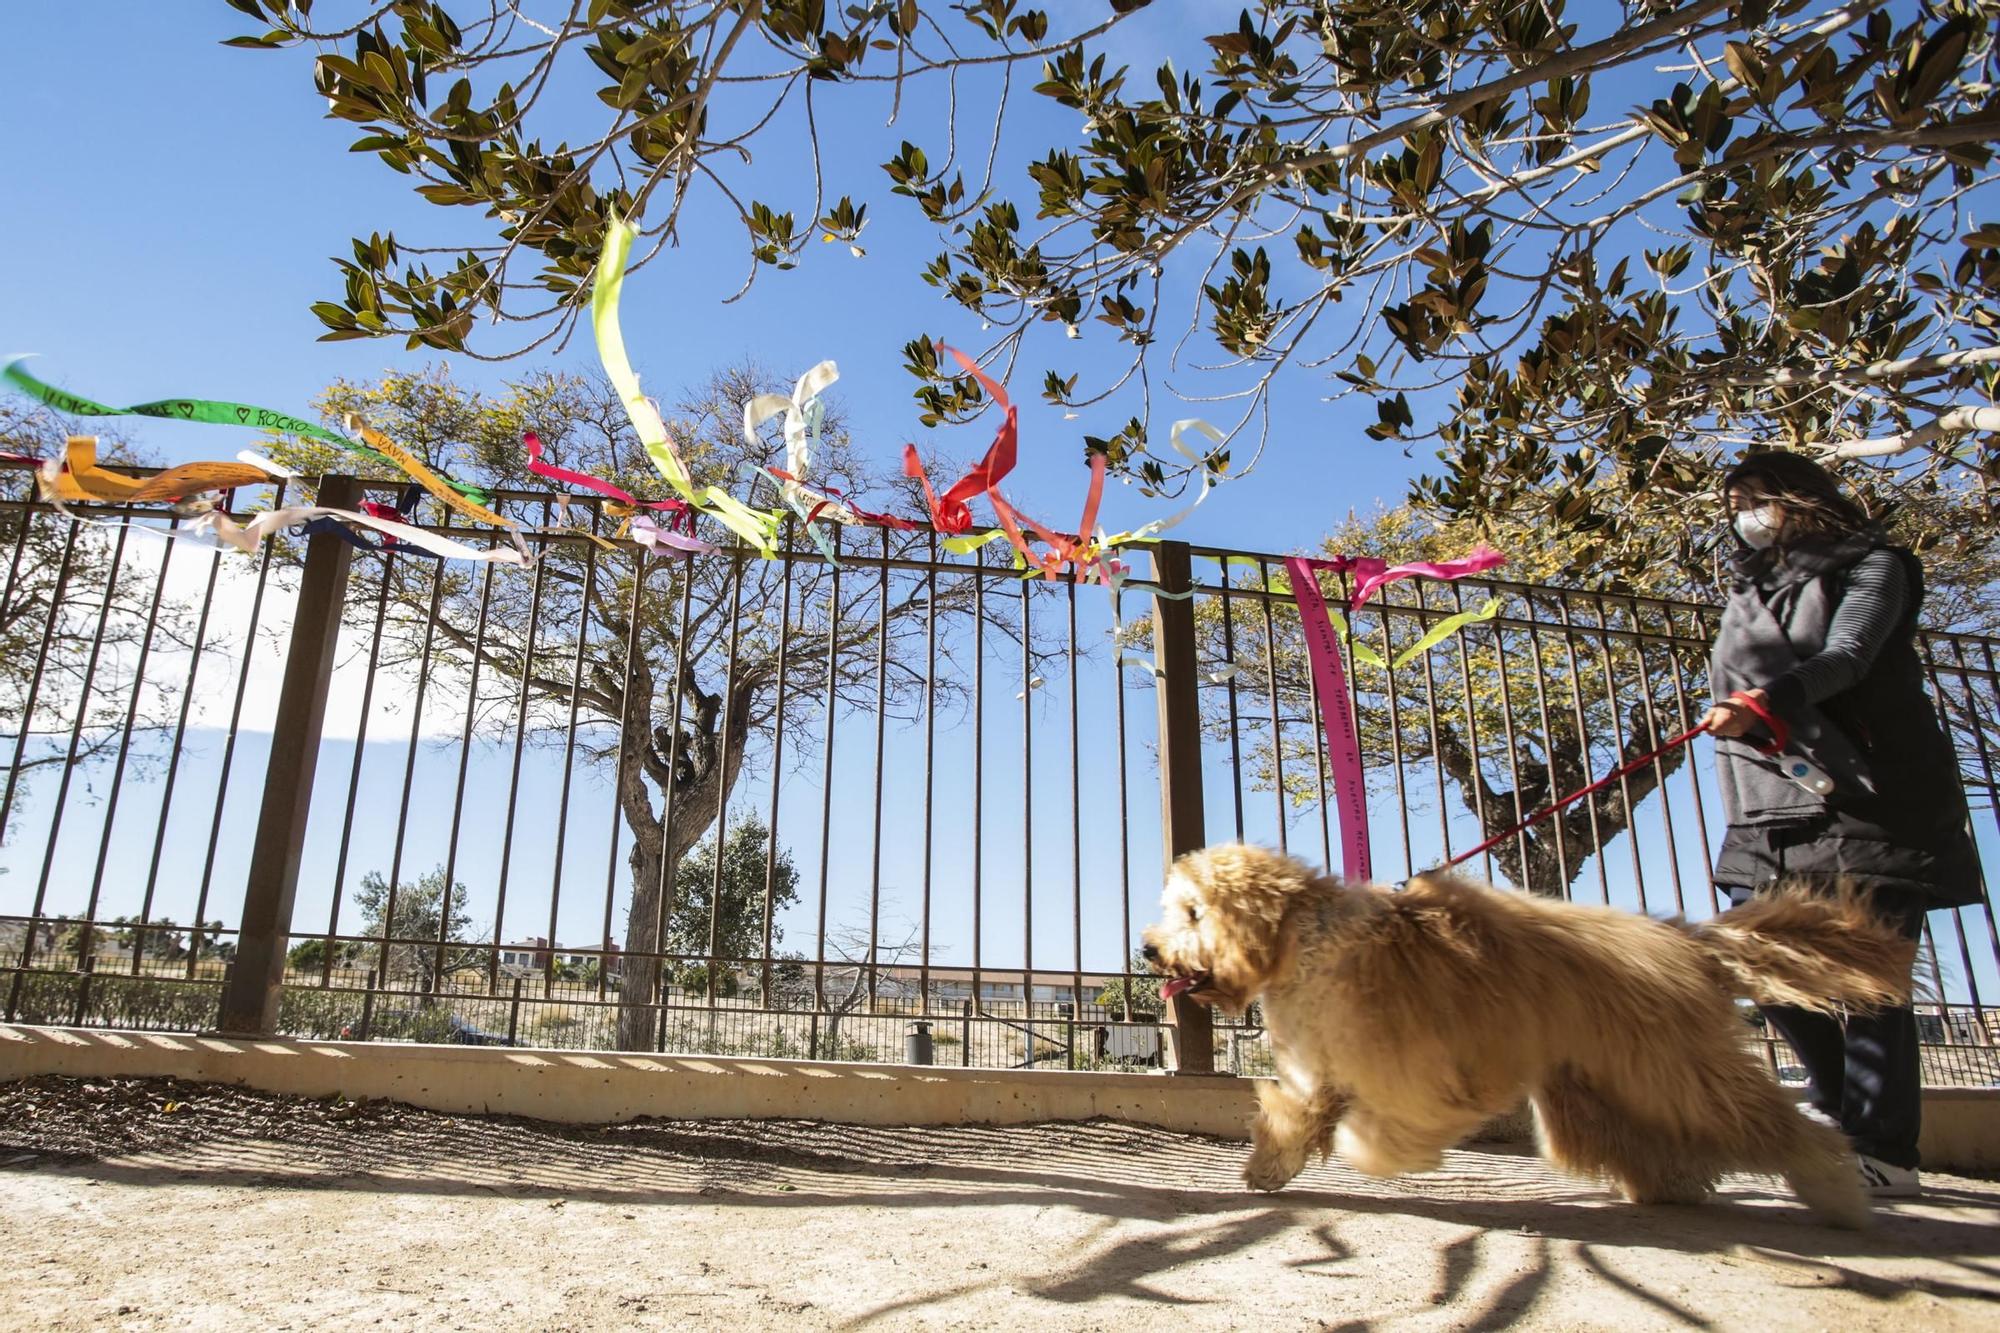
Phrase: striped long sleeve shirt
(1872, 604)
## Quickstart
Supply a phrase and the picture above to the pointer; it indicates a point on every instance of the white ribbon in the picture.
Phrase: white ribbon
(803, 413)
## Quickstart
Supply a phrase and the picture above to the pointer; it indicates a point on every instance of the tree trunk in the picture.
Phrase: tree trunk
(706, 762)
(1547, 858)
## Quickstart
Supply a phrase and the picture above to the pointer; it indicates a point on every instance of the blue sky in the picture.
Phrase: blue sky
(169, 228)
(178, 226)
(184, 203)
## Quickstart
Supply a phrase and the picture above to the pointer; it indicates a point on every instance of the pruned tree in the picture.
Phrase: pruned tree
(670, 675)
(850, 977)
(1588, 250)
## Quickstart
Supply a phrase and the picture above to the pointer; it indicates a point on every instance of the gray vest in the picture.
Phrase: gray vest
(1776, 617)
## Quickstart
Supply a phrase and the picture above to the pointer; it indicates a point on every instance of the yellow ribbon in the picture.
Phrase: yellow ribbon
(757, 526)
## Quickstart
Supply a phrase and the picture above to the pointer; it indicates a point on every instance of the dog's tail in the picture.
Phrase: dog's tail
(1816, 949)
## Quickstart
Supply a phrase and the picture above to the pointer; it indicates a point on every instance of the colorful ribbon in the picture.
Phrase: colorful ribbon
(642, 528)
(1330, 675)
(79, 477)
(1372, 572)
(1444, 629)
(209, 411)
(756, 526)
(214, 527)
(248, 536)
(430, 480)
(1077, 552)
(1337, 713)
(1209, 480)
(951, 513)
(803, 412)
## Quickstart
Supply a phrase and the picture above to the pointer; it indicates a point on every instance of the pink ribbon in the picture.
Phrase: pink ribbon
(1337, 712)
(648, 533)
(588, 482)
(645, 531)
(1372, 572)
(1330, 675)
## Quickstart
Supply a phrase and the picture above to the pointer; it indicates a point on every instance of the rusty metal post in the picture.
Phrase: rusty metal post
(1183, 827)
(250, 1000)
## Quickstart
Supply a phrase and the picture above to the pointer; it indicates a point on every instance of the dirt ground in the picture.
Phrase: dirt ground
(153, 1204)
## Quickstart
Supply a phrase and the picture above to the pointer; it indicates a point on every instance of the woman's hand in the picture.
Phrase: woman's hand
(1729, 718)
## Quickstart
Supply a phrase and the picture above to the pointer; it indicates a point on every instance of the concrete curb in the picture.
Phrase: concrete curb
(601, 1087)
(1961, 1125)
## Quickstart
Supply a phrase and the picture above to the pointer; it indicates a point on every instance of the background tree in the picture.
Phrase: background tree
(81, 615)
(1501, 720)
(855, 973)
(733, 922)
(1144, 992)
(209, 941)
(416, 919)
(313, 955)
(669, 673)
(1590, 301)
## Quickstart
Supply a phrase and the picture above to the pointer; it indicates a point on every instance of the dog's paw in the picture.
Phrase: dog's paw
(1268, 1172)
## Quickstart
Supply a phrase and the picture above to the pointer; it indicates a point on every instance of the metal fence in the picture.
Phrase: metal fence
(622, 800)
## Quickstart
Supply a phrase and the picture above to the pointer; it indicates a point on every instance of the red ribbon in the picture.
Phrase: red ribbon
(951, 513)
(1781, 734)
(884, 520)
(1066, 549)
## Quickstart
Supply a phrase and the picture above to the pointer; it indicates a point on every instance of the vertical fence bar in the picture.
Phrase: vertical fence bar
(477, 657)
(1183, 826)
(235, 730)
(777, 771)
(723, 785)
(1229, 668)
(250, 999)
(881, 740)
(930, 760)
(1124, 803)
(86, 944)
(175, 750)
(514, 773)
(1028, 820)
(16, 768)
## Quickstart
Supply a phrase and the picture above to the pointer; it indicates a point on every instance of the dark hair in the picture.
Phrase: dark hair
(1812, 496)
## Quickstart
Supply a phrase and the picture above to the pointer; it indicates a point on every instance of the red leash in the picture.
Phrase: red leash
(1574, 797)
(1780, 738)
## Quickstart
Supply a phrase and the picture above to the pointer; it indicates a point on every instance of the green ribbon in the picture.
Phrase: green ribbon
(207, 411)
(1444, 629)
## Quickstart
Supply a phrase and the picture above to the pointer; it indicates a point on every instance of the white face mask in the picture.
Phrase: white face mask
(1759, 527)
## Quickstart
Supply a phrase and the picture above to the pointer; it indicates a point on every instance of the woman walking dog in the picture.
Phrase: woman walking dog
(1833, 767)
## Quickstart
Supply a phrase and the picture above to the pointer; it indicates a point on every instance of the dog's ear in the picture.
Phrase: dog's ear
(1246, 892)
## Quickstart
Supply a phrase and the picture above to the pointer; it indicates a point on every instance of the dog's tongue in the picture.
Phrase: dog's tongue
(1174, 986)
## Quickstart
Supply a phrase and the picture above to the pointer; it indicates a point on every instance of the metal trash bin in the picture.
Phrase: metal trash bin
(917, 1047)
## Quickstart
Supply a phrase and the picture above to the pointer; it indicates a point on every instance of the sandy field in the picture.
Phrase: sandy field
(161, 1205)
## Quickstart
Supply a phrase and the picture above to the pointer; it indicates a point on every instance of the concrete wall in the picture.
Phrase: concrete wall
(1961, 1125)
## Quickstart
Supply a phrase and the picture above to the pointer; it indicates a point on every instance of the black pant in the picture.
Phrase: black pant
(1862, 1072)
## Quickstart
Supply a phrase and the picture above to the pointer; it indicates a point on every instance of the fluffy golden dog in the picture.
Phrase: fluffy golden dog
(1401, 1021)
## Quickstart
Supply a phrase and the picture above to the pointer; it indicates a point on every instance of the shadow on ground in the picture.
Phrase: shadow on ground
(1071, 1225)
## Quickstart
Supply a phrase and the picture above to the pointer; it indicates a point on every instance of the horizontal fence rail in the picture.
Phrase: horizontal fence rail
(906, 806)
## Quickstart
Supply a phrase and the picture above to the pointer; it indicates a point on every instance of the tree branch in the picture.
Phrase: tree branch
(1957, 421)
